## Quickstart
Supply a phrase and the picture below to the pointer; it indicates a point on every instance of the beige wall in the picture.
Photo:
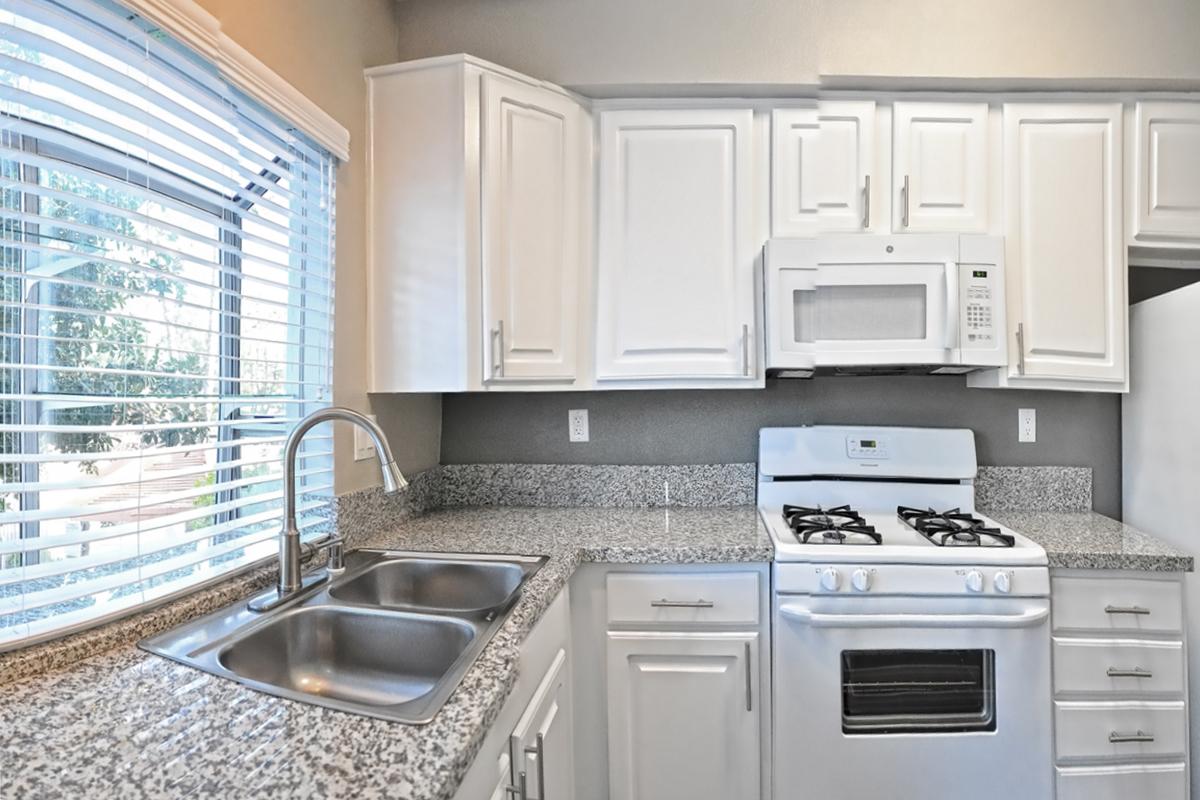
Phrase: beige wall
(597, 42)
(321, 48)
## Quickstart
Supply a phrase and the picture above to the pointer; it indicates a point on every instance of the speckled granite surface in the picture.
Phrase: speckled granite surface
(126, 724)
(603, 485)
(1087, 540)
(1033, 489)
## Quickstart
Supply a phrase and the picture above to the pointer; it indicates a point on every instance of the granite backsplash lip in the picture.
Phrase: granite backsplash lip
(1088, 540)
(128, 724)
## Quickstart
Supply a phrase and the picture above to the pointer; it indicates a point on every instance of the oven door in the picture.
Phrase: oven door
(912, 697)
(885, 313)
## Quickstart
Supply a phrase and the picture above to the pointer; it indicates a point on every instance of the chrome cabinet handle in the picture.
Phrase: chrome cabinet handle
(904, 203)
(866, 221)
(1145, 612)
(746, 350)
(749, 680)
(498, 359)
(539, 750)
(664, 603)
(1129, 672)
(521, 790)
(1137, 736)
(1020, 348)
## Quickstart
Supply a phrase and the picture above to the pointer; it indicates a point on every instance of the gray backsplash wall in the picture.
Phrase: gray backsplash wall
(720, 426)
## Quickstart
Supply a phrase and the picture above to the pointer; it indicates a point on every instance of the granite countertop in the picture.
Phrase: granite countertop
(128, 724)
(1088, 540)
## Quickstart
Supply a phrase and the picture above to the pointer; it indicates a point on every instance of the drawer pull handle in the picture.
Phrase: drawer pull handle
(1129, 672)
(1122, 738)
(1127, 610)
(665, 603)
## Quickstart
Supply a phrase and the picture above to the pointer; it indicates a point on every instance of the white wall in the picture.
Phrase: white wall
(589, 42)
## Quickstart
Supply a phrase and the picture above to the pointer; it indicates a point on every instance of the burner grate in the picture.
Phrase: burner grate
(953, 528)
(839, 525)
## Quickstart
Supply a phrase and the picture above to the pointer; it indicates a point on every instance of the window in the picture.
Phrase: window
(166, 251)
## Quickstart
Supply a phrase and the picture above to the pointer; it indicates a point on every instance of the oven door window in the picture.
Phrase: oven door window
(918, 691)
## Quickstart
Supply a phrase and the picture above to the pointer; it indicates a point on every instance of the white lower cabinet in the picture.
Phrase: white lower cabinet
(530, 744)
(541, 745)
(683, 716)
(1120, 685)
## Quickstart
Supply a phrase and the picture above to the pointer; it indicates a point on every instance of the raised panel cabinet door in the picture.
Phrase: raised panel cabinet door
(542, 746)
(1167, 185)
(940, 167)
(1064, 248)
(821, 168)
(683, 716)
(531, 173)
(676, 280)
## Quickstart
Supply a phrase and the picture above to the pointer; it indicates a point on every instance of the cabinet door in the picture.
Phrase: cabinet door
(504, 784)
(1167, 185)
(676, 256)
(821, 166)
(1065, 254)
(683, 716)
(541, 744)
(531, 175)
(940, 167)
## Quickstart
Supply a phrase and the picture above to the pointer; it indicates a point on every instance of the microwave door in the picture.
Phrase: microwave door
(886, 313)
(791, 310)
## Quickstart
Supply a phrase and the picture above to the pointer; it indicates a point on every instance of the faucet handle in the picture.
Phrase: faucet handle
(336, 545)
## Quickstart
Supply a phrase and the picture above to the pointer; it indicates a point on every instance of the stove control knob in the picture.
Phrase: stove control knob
(1003, 582)
(831, 579)
(974, 581)
(861, 580)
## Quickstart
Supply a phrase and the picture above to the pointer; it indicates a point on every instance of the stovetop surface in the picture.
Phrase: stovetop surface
(898, 543)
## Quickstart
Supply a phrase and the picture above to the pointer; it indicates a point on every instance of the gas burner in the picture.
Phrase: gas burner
(840, 525)
(953, 528)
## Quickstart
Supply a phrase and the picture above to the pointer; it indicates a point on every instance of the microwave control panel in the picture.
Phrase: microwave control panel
(978, 298)
(981, 331)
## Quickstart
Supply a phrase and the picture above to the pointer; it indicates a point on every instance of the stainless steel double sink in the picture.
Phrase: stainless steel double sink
(391, 637)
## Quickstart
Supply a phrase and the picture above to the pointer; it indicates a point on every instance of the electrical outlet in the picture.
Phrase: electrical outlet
(1027, 425)
(577, 424)
(363, 448)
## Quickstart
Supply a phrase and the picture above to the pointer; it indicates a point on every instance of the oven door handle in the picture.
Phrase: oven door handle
(806, 616)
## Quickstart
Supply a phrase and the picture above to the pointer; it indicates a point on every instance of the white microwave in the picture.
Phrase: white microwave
(865, 304)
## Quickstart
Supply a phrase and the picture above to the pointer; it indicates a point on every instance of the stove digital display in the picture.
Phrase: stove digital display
(867, 444)
(871, 449)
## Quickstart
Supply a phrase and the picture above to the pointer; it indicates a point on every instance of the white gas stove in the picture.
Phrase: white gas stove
(911, 632)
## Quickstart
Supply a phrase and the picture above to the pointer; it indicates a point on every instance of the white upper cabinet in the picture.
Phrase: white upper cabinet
(822, 164)
(1166, 187)
(940, 167)
(1066, 261)
(676, 282)
(476, 228)
(531, 178)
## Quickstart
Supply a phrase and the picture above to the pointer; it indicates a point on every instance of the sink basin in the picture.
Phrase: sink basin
(391, 637)
(358, 656)
(433, 584)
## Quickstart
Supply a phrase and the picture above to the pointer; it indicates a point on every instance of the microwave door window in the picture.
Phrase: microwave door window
(804, 317)
(868, 313)
(918, 691)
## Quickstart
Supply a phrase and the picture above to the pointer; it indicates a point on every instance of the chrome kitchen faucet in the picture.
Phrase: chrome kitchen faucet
(291, 551)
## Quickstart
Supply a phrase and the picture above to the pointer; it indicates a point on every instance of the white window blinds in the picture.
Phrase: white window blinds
(166, 252)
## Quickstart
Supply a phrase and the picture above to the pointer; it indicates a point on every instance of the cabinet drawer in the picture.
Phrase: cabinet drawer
(1118, 666)
(1087, 730)
(671, 597)
(1158, 781)
(1116, 604)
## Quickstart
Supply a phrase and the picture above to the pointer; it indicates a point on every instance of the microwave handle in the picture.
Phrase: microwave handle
(953, 312)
